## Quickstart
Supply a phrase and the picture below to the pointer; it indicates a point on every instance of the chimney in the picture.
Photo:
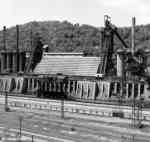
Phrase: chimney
(17, 38)
(133, 35)
(4, 37)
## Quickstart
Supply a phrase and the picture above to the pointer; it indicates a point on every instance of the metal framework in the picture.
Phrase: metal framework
(137, 116)
(107, 47)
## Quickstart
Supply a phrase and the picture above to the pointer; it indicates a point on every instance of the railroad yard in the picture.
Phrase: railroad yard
(41, 123)
(87, 80)
(74, 96)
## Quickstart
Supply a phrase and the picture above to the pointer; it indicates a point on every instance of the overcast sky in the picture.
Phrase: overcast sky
(91, 12)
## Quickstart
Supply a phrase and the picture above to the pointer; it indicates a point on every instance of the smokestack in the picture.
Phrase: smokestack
(133, 35)
(17, 38)
(4, 37)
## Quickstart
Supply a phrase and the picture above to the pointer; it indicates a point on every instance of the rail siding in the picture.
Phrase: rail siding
(53, 105)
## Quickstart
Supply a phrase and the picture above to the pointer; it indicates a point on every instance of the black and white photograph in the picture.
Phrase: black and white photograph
(75, 71)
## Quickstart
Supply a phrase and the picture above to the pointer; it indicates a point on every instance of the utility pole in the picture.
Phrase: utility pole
(62, 108)
(140, 116)
(32, 138)
(6, 102)
(137, 106)
(5, 92)
(20, 126)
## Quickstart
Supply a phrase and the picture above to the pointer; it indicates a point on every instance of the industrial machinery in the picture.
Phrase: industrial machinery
(73, 75)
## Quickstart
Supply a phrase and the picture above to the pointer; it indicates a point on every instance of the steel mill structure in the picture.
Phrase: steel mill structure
(74, 75)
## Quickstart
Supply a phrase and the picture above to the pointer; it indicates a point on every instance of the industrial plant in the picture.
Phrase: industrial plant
(117, 79)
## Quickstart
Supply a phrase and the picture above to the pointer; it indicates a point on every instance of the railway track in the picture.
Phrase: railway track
(68, 102)
(71, 107)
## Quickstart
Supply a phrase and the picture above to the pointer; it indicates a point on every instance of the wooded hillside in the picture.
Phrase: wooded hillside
(67, 37)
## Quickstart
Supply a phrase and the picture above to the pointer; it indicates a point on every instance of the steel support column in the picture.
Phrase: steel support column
(8, 62)
(14, 62)
(2, 63)
(20, 62)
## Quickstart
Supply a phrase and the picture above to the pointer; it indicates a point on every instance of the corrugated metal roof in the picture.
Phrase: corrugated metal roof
(68, 65)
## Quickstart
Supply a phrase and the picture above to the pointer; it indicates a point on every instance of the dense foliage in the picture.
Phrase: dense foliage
(67, 37)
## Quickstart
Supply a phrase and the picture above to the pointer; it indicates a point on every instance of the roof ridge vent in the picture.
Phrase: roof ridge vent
(64, 54)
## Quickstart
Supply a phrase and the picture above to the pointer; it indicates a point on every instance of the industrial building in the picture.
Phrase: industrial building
(73, 75)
